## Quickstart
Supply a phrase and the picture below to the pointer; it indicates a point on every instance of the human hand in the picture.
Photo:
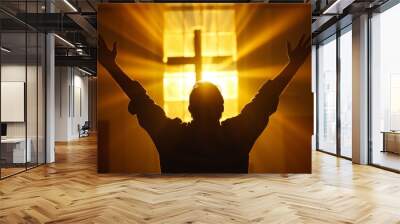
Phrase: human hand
(299, 54)
(106, 56)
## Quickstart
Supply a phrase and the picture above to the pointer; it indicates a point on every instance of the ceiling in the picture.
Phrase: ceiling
(75, 21)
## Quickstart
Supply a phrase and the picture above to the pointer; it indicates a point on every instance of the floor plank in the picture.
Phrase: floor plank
(70, 191)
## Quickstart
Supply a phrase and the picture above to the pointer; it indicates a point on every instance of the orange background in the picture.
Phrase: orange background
(262, 32)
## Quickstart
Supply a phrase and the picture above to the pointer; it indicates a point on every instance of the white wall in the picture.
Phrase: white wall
(71, 102)
(15, 73)
(62, 81)
(80, 110)
(33, 126)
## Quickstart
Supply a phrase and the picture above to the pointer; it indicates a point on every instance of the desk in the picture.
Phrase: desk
(391, 141)
(13, 150)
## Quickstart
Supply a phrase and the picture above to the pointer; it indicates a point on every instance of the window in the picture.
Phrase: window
(218, 41)
(22, 78)
(394, 101)
(334, 94)
(385, 89)
(327, 95)
(346, 93)
(314, 90)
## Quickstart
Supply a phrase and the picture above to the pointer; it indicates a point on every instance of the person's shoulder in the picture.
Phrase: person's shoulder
(177, 122)
(229, 121)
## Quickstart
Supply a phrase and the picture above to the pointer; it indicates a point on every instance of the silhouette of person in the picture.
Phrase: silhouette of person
(205, 145)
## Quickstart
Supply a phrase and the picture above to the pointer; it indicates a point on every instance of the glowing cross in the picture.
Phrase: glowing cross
(198, 59)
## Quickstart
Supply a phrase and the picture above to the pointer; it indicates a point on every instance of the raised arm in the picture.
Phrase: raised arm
(267, 98)
(151, 116)
(107, 58)
(254, 117)
(297, 57)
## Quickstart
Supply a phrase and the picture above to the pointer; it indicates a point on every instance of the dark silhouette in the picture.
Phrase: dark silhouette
(205, 145)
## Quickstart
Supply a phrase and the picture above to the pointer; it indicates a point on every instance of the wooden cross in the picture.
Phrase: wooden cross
(198, 59)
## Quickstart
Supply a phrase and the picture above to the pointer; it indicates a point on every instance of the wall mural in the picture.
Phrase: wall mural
(204, 88)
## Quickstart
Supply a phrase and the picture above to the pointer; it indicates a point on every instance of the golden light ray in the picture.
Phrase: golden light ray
(263, 72)
(226, 81)
(129, 39)
(243, 17)
(145, 66)
(290, 127)
(179, 42)
(269, 33)
(113, 101)
(148, 17)
(148, 23)
(140, 33)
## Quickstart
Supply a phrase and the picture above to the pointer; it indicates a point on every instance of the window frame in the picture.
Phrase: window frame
(334, 37)
(381, 9)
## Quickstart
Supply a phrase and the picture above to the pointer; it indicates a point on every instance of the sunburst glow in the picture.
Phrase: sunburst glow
(218, 57)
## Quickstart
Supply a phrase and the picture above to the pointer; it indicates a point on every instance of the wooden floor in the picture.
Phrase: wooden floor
(70, 191)
(5, 172)
(387, 159)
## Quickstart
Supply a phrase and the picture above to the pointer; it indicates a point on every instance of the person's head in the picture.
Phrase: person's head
(206, 103)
